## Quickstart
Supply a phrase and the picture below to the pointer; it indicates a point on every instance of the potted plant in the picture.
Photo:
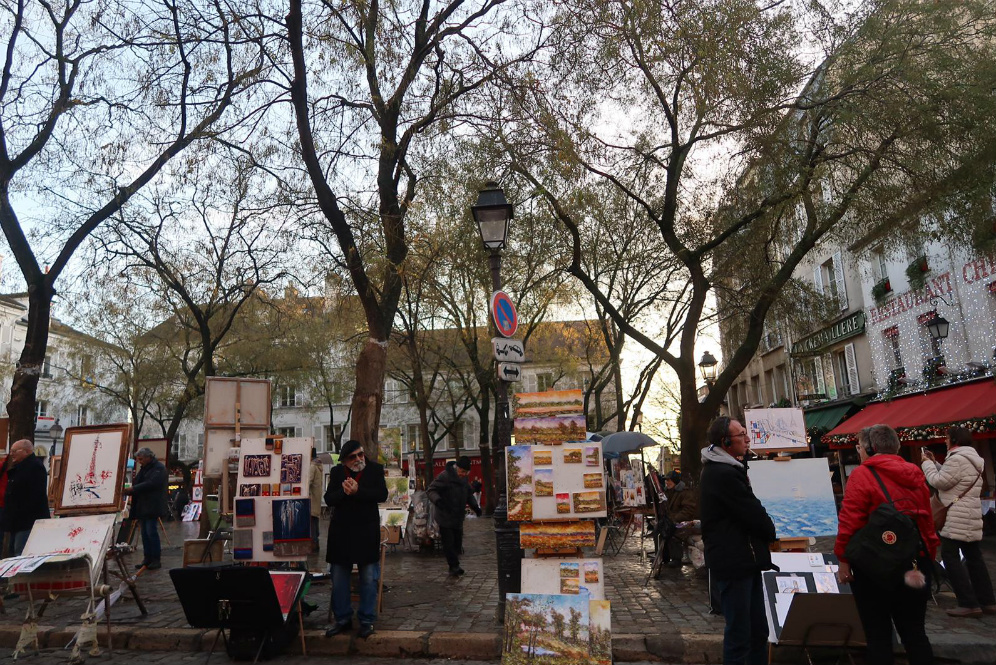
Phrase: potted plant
(916, 273)
(881, 290)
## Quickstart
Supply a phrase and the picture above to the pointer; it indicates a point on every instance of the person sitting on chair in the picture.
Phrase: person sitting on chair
(680, 507)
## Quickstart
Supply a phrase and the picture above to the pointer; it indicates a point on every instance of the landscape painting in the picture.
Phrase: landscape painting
(797, 495)
(557, 535)
(519, 476)
(398, 492)
(542, 458)
(572, 455)
(552, 629)
(589, 502)
(543, 482)
(564, 503)
(592, 480)
(600, 632)
(550, 430)
(591, 572)
(591, 456)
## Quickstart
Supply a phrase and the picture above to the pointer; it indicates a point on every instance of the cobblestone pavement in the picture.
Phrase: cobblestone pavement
(420, 596)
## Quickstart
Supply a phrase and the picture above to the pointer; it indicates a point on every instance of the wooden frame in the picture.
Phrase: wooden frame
(54, 473)
(78, 493)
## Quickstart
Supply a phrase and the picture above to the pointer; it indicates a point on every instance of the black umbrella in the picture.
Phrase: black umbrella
(622, 443)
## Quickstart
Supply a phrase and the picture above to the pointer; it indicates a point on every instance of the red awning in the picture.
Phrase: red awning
(937, 407)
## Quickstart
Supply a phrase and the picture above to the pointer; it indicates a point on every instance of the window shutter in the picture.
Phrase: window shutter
(818, 279)
(852, 368)
(530, 382)
(838, 273)
(820, 384)
(828, 379)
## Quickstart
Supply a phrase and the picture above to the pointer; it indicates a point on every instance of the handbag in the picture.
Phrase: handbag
(940, 511)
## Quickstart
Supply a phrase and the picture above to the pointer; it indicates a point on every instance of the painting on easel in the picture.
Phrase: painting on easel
(93, 467)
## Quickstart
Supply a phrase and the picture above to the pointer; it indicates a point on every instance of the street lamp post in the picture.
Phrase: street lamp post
(493, 214)
(708, 367)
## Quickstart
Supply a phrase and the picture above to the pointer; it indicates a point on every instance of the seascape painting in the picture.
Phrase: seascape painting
(519, 476)
(552, 629)
(797, 495)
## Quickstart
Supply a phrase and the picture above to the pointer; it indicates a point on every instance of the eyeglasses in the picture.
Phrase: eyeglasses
(357, 455)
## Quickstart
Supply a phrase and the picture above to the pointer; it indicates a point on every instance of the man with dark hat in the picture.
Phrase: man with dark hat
(450, 493)
(149, 504)
(356, 486)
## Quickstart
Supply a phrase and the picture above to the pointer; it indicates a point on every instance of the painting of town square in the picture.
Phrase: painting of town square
(519, 475)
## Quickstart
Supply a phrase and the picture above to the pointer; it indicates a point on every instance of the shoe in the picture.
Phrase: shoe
(459, 571)
(965, 612)
(456, 572)
(140, 566)
(366, 630)
(307, 608)
(339, 628)
(154, 565)
(989, 609)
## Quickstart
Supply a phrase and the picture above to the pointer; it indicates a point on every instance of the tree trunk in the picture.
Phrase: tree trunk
(24, 388)
(371, 367)
(487, 456)
(695, 420)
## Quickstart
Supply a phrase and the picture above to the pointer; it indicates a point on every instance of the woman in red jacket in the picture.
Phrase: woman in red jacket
(882, 603)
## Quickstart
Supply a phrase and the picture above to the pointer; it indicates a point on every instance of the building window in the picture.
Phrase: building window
(894, 352)
(881, 267)
(829, 280)
(41, 408)
(545, 381)
(82, 415)
(457, 433)
(411, 437)
(289, 396)
(331, 434)
(200, 446)
(46, 368)
(755, 382)
(290, 432)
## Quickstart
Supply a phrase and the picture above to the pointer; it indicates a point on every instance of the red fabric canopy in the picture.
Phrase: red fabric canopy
(946, 405)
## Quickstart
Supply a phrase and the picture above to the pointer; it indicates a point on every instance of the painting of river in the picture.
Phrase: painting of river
(797, 495)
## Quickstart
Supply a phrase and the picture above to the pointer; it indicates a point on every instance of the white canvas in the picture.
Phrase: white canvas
(81, 534)
(91, 476)
(797, 495)
(776, 429)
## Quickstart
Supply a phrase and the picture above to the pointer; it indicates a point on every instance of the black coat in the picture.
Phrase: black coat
(149, 492)
(27, 495)
(354, 533)
(450, 494)
(736, 529)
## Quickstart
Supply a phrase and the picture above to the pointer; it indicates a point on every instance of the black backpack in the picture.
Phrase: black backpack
(885, 548)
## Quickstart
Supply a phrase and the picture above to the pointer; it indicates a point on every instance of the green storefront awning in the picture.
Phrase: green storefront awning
(828, 418)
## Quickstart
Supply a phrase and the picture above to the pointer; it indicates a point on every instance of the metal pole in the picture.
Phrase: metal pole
(508, 552)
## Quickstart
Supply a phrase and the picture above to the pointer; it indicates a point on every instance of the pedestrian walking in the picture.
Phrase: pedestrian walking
(959, 485)
(737, 533)
(356, 486)
(902, 600)
(149, 505)
(26, 499)
(450, 493)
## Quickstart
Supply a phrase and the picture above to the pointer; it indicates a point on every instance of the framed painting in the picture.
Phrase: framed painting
(93, 467)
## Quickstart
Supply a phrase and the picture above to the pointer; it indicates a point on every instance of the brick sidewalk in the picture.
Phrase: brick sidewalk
(668, 619)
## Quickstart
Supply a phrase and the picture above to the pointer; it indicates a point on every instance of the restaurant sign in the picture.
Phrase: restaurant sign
(849, 326)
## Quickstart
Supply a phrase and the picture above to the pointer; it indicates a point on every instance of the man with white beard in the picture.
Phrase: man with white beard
(356, 486)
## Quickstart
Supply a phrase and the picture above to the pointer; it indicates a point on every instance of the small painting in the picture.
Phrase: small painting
(250, 489)
(291, 520)
(592, 480)
(288, 587)
(256, 466)
(242, 544)
(286, 489)
(245, 512)
(542, 457)
(267, 541)
(198, 493)
(591, 456)
(266, 489)
(589, 502)
(290, 468)
(275, 489)
(519, 476)
(543, 482)
(591, 572)
(570, 569)
(572, 456)
(278, 445)
(558, 535)
(570, 585)
(564, 503)
(296, 490)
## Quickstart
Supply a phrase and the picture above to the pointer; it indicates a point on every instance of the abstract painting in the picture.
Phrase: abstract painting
(242, 544)
(552, 629)
(245, 512)
(92, 473)
(543, 482)
(557, 535)
(250, 489)
(256, 466)
(288, 586)
(290, 468)
(291, 526)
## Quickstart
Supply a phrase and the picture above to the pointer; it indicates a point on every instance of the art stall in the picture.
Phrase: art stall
(556, 488)
(72, 554)
(394, 512)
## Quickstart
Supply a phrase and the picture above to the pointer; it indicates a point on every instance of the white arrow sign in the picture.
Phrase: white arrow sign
(508, 371)
(508, 350)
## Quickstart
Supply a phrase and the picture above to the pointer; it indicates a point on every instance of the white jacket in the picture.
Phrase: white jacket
(960, 470)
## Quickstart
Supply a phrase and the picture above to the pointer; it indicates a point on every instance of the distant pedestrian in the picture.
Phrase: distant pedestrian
(149, 505)
(959, 483)
(26, 499)
(737, 533)
(356, 486)
(882, 603)
(315, 477)
(450, 493)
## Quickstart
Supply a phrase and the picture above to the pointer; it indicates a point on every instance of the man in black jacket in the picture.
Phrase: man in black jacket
(27, 494)
(149, 504)
(450, 493)
(737, 532)
(355, 487)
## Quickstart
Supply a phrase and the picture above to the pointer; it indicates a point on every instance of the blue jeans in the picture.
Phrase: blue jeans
(745, 641)
(18, 539)
(342, 607)
(151, 549)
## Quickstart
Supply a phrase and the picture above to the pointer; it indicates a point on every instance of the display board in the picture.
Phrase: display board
(566, 576)
(75, 535)
(93, 470)
(272, 505)
(555, 482)
(221, 395)
(797, 495)
(556, 629)
(776, 429)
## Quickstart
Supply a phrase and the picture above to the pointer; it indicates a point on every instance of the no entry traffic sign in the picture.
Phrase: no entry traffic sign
(503, 313)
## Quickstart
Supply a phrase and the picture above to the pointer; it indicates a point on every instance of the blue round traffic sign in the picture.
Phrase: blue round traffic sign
(503, 313)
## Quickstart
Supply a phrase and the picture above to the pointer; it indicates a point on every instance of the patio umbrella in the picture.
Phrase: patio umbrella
(622, 443)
